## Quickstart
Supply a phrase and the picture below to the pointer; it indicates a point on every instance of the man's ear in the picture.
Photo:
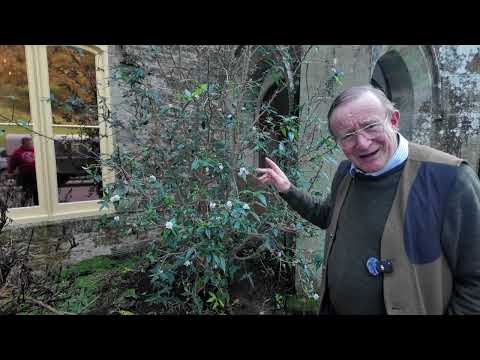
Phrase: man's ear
(395, 119)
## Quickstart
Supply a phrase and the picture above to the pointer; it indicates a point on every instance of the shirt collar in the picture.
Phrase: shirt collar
(399, 156)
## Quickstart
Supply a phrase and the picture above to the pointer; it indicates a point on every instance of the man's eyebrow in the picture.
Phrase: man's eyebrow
(368, 121)
(351, 130)
(362, 123)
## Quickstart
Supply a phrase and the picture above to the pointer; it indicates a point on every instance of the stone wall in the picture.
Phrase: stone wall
(70, 241)
(460, 76)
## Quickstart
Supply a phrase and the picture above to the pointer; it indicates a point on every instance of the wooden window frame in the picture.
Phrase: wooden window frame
(49, 208)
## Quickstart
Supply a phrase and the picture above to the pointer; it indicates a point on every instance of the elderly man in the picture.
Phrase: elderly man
(402, 220)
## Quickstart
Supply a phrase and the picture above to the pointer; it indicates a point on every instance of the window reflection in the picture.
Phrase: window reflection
(18, 181)
(73, 88)
(14, 100)
(76, 150)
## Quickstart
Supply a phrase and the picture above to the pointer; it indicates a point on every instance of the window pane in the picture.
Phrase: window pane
(76, 149)
(73, 88)
(18, 181)
(14, 100)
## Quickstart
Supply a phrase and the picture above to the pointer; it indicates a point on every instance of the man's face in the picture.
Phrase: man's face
(368, 153)
(28, 144)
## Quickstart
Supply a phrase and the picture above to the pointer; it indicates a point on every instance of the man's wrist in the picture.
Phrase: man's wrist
(285, 190)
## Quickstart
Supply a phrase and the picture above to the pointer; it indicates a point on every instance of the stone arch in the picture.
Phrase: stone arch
(392, 76)
(277, 98)
(272, 87)
(412, 76)
(432, 59)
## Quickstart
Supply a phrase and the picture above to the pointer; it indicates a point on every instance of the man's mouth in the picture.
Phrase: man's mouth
(369, 155)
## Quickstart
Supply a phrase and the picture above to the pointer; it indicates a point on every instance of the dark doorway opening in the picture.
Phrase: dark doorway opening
(275, 101)
(391, 75)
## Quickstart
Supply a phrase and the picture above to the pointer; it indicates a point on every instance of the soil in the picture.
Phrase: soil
(111, 287)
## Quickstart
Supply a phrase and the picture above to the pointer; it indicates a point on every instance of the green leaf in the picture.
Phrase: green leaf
(131, 293)
(262, 199)
(125, 312)
(195, 164)
(22, 122)
(199, 90)
(255, 216)
(212, 297)
(222, 263)
(216, 260)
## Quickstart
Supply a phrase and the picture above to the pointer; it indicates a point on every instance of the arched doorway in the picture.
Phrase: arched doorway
(275, 105)
(391, 75)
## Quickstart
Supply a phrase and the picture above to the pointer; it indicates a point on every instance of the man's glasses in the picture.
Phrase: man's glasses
(370, 131)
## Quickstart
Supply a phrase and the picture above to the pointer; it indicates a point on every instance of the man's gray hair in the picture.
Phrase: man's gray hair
(354, 93)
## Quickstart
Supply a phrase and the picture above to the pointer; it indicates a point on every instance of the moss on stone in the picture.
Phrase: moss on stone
(94, 265)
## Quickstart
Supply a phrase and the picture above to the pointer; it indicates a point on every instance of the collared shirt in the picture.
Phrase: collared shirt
(400, 155)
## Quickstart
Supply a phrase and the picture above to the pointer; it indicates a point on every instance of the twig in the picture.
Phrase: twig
(29, 243)
(48, 307)
(90, 303)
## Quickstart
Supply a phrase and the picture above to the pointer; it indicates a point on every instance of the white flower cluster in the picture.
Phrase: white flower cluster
(246, 207)
(116, 218)
(169, 225)
(243, 171)
(212, 205)
(115, 198)
(152, 178)
(220, 167)
(229, 204)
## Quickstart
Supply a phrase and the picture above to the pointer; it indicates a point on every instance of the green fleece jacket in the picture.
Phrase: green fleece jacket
(431, 234)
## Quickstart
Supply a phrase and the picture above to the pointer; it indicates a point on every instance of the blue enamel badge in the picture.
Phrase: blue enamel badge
(375, 266)
(372, 266)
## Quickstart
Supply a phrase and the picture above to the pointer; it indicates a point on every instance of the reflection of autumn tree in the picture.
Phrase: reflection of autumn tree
(73, 85)
(13, 78)
(12, 64)
(73, 89)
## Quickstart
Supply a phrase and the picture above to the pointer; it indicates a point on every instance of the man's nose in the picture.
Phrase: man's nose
(363, 142)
